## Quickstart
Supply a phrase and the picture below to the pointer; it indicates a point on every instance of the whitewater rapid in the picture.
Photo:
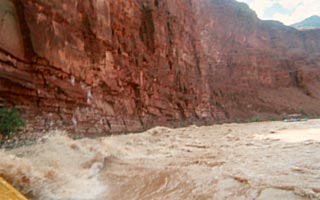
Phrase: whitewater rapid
(56, 168)
(267, 160)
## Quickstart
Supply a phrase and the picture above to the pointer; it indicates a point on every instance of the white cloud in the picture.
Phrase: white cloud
(260, 6)
(300, 9)
(289, 4)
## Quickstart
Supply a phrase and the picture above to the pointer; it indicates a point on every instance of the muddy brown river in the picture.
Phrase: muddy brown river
(267, 160)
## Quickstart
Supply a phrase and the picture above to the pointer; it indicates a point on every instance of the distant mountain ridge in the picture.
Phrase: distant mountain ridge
(312, 22)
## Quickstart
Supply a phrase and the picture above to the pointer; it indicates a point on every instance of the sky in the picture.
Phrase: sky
(285, 11)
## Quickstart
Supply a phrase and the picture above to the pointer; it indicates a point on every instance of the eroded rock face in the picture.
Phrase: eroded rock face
(126, 65)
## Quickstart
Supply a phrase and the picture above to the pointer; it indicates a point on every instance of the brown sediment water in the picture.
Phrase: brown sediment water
(267, 160)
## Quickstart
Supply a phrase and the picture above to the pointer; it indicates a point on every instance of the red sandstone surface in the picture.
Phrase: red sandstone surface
(102, 66)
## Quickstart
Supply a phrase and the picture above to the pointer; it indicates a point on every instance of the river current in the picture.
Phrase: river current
(267, 160)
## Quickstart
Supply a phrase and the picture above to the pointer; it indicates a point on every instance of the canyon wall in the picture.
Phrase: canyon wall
(103, 66)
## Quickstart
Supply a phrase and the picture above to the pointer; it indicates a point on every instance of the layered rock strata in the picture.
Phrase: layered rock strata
(102, 66)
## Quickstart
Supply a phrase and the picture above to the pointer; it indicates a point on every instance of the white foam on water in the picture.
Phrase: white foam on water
(267, 160)
(56, 168)
(297, 135)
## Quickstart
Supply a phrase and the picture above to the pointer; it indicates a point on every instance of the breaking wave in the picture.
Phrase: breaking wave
(56, 168)
(267, 160)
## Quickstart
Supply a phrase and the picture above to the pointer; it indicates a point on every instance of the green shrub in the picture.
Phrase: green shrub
(172, 122)
(304, 113)
(10, 120)
(254, 119)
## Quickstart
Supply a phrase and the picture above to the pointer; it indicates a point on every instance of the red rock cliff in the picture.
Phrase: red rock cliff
(126, 65)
